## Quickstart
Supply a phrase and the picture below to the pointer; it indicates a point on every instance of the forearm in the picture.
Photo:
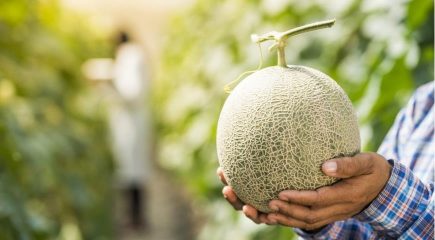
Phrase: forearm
(404, 207)
(348, 229)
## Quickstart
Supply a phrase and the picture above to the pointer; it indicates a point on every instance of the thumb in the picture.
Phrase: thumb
(347, 167)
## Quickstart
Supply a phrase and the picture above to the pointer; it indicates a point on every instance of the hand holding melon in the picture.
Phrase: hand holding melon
(363, 178)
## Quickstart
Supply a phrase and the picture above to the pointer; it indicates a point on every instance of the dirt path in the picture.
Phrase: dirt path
(168, 213)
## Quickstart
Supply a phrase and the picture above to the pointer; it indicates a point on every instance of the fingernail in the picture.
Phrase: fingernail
(247, 215)
(283, 197)
(274, 208)
(245, 209)
(223, 192)
(330, 166)
(272, 220)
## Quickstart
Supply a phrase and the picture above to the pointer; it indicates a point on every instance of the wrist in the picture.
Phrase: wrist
(314, 231)
(388, 171)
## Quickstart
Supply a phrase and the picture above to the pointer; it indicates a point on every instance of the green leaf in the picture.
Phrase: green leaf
(418, 11)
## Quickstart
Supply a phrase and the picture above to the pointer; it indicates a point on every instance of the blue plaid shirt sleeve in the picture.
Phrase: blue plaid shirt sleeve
(405, 207)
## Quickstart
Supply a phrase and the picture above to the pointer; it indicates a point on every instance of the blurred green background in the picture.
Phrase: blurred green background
(56, 168)
(55, 171)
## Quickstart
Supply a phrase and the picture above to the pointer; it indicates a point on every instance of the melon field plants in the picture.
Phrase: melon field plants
(377, 52)
(55, 167)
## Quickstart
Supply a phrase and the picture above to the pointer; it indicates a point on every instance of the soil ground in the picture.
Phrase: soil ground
(167, 213)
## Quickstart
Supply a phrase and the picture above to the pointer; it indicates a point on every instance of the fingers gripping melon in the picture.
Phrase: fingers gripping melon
(278, 126)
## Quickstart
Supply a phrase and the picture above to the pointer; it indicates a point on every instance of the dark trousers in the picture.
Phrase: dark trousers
(136, 199)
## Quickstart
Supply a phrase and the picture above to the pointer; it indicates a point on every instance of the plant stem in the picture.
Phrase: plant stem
(281, 53)
(281, 37)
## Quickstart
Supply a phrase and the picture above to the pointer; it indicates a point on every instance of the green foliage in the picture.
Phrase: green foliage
(378, 51)
(55, 171)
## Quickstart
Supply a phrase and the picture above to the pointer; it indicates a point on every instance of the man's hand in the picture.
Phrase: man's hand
(248, 210)
(363, 178)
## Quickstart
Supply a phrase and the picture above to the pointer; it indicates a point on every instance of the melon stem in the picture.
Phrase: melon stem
(280, 38)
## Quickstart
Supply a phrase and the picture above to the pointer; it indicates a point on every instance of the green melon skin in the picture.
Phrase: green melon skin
(276, 129)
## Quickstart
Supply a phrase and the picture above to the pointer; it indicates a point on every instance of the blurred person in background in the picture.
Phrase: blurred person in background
(129, 119)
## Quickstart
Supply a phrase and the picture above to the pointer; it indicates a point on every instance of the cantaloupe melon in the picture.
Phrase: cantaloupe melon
(276, 129)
